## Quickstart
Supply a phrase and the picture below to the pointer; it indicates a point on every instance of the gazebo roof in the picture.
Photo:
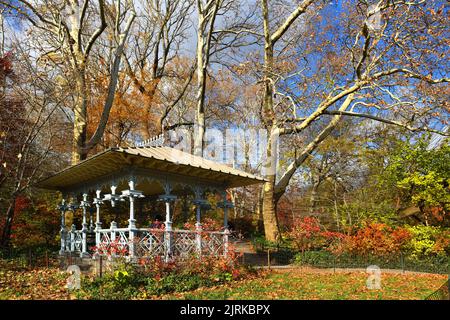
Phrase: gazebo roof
(159, 160)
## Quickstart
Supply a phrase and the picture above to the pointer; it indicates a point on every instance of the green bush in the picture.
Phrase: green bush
(314, 258)
(424, 242)
(176, 283)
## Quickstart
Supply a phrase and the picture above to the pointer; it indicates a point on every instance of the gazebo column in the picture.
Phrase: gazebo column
(91, 221)
(168, 235)
(84, 204)
(225, 205)
(72, 232)
(113, 197)
(63, 232)
(98, 225)
(199, 204)
(132, 194)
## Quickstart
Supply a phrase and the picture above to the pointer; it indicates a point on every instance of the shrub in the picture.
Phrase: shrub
(306, 233)
(376, 239)
(428, 241)
(314, 258)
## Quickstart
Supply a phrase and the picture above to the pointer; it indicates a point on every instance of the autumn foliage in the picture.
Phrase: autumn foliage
(377, 239)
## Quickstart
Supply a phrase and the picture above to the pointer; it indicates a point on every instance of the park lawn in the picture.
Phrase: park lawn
(49, 283)
(313, 285)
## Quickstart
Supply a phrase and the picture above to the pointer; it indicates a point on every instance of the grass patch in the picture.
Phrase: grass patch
(308, 285)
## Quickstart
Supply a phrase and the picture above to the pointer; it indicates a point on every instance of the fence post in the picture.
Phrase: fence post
(402, 261)
(268, 258)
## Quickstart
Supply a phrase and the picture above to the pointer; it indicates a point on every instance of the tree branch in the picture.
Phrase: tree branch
(288, 22)
(384, 120)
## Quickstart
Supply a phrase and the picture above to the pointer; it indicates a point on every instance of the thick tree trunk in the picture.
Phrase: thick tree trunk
(271, 228)
(199, 129)
(6, 232)
(259, 208)
(80, 121)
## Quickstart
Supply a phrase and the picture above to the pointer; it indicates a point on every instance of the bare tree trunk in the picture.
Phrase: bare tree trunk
(271, 228)
(259, 209)
(6, 232)
(80, 120)
(206, 18)
(336, 207)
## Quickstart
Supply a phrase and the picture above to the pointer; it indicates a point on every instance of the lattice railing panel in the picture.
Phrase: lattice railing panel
(78, 240)
(184, 244)
(213, 243)
(122, 240)
(151, 243)
(105, 241)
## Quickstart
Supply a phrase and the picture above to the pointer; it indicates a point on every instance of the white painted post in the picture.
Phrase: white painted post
(113, 226)
(113, 195)
(91, 221)
(225, 204)
(226, 233)
(168, 231)
(168, 221)
(63, 232)
(72, 238)
(84, 229)
(225, 227)
(198, 229)
(131, 221)
(131, 194)
(98, 225)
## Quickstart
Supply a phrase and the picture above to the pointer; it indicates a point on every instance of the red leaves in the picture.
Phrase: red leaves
(307, 233)
(208, 224)
(20, 204)
(114, 248)
(6, 67)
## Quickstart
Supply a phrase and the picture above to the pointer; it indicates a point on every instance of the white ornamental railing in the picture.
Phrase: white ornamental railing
(148, 242)
(158, 242)
(73, 241)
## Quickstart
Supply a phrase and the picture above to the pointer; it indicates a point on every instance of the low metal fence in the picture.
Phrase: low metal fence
(279, 255)
(33, 257)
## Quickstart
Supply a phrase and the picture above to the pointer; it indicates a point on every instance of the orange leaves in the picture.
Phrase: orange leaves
(32, 284)
(377, 239)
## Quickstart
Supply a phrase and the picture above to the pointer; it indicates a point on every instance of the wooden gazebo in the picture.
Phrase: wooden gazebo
(125, 174)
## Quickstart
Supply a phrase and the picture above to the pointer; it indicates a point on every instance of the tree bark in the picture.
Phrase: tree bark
(271, 228)
(6, 232)
(80, 120)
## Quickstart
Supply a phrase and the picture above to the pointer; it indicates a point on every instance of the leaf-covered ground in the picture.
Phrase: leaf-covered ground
(24, 283)
(313, 285)
(49, 283)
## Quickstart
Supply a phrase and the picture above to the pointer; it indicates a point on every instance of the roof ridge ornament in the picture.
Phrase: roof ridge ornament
(156, 141)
